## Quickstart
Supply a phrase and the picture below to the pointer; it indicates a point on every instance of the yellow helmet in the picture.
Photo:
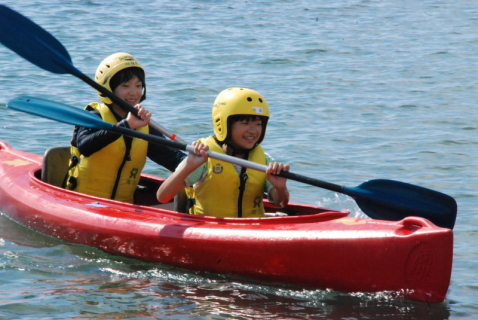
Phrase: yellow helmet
(110, 66)
(237, 101)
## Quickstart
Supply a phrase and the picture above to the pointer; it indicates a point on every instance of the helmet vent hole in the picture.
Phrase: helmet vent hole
(218, 124)
(249, 99)
(260, 100)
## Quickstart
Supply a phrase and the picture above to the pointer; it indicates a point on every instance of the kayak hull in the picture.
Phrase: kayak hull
(312, 247)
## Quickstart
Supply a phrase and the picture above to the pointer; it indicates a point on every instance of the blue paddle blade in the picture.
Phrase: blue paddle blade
(395, 200)
(33, 43)
(58, 112)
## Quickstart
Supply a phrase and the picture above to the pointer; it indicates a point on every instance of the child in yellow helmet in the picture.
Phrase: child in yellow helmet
(106, 164)
(222, 189)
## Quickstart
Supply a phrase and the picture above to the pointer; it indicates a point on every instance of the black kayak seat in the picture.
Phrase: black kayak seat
(55, 168)
(55, 165)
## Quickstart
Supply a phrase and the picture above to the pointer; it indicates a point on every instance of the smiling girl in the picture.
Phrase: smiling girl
(106, 164)
(222, 189)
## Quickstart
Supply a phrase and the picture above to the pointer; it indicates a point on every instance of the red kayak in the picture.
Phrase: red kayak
(310, 247)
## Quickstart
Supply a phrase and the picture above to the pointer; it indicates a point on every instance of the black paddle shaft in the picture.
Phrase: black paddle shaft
(120, 102)
(314, 182)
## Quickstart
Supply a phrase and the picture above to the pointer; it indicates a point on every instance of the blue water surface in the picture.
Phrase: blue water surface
(358, 90)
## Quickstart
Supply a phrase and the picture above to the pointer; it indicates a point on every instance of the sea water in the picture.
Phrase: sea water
(358, 90)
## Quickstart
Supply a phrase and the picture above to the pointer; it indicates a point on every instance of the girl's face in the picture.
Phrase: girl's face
(130, 91)
(246, 133)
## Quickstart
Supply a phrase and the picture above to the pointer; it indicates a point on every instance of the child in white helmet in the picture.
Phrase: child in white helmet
(106, 164)
(222, 189)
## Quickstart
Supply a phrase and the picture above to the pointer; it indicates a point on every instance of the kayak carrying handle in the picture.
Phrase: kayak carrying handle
(412, 224)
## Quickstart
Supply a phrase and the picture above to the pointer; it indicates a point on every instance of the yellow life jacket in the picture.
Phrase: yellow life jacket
(224, 193)
(111, 172)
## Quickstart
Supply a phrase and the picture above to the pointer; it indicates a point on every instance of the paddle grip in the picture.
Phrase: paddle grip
(149, 137)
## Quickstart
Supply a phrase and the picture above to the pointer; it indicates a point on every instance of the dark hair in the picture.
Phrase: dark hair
(126, 75)
(243, 117)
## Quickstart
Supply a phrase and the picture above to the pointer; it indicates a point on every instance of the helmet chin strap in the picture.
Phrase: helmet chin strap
(125, 110)
(115, 111)
(236, 150)
(234, 147)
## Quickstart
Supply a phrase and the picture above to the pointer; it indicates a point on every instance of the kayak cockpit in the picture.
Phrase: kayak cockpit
(55, 167)
(148, 185)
